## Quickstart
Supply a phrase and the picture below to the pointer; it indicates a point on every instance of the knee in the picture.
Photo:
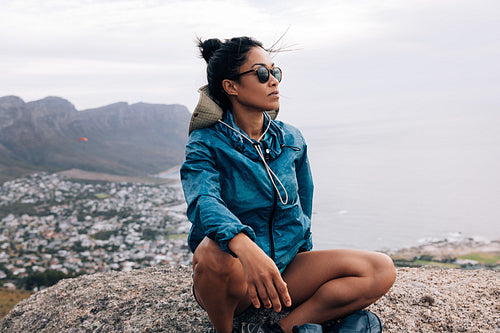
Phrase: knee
(206, 266)
(384, 271)
(209, 259)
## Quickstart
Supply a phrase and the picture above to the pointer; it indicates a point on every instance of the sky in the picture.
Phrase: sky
(346, 60)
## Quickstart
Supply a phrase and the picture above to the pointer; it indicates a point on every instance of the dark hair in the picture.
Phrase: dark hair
(224, 59)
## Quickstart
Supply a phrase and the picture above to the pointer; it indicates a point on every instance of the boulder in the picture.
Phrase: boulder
(159, 299)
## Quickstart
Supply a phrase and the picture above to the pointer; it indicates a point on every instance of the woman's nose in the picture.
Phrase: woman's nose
(273, 81)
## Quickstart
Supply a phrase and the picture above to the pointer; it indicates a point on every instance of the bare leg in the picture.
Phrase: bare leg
(333, 283)
(219, 284)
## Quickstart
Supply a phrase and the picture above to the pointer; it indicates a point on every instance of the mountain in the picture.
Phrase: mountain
(134, 140)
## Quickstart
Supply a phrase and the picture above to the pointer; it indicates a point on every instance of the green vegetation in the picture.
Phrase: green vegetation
(480, 260)
(483, 258)
(88, 181)
(123, 213)
(177, 236)
(104, 235)
(18, 209)
(435, 264)
(44, 279)
(150, 234)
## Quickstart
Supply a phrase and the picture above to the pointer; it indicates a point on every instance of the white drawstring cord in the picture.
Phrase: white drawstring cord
(270, 172)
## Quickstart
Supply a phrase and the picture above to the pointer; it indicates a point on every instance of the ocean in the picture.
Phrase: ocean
(394, 183)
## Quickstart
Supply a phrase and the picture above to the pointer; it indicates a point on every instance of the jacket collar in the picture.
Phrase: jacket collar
(273, 140)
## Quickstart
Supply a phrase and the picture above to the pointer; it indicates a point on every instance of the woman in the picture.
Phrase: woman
(248, 187)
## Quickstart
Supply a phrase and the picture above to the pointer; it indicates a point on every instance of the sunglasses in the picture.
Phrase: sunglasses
(264, 73)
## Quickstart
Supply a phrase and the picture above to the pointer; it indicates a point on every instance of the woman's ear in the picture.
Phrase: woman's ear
(229, 87)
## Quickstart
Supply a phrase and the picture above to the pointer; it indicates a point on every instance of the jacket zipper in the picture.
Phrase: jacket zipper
(267, 157)
(271, 237)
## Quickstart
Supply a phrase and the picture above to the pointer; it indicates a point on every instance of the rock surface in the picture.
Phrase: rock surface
(159, 299)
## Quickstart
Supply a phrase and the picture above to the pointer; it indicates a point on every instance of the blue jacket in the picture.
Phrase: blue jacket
(229, 191)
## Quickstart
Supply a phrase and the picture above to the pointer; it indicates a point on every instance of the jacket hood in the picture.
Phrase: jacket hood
(207, 112)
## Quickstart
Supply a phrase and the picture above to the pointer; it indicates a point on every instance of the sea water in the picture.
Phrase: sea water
(391, 183)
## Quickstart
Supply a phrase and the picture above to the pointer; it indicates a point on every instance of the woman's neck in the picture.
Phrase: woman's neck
(251, 123)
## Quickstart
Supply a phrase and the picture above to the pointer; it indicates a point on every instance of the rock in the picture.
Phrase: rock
(159, 299)
(148, 300)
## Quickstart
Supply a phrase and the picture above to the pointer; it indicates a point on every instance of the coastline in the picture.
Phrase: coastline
(459, 252)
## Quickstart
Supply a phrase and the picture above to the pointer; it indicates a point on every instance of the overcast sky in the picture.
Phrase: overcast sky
(351, 58)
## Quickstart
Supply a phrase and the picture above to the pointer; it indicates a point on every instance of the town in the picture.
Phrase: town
(51, 223)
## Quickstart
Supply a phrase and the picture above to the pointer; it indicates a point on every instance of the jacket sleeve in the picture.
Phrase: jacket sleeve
(205, 207)
(305, 182)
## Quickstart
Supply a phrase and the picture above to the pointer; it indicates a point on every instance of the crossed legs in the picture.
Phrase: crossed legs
(323, 285)
(331, 284)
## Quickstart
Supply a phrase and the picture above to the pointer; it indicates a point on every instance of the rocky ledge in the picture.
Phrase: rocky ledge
(159, 299)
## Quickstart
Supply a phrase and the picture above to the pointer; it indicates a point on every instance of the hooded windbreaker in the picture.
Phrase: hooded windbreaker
(228, 189)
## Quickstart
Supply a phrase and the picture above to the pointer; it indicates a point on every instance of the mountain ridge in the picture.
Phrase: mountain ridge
(124, 139)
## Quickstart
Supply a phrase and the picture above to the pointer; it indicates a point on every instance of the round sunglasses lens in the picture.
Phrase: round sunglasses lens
(276, 71)
(263, 74)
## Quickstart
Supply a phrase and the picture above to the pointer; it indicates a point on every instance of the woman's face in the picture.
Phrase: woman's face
(250, 92)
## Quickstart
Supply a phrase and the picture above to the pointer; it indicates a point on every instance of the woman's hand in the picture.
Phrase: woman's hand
(263, 277)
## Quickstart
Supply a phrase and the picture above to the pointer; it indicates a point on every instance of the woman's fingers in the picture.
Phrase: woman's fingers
(269, 293)
(263, 295)
(278, 292)
(273, 291)
(282, 288)
(275, 300)
(264, 282)
(254, 297)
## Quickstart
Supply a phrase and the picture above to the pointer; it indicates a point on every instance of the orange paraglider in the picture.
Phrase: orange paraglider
(83, 139)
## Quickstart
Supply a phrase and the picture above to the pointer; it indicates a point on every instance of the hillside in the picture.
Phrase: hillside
(121, 139)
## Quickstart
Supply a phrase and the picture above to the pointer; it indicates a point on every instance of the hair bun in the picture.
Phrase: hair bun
(208, 47)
